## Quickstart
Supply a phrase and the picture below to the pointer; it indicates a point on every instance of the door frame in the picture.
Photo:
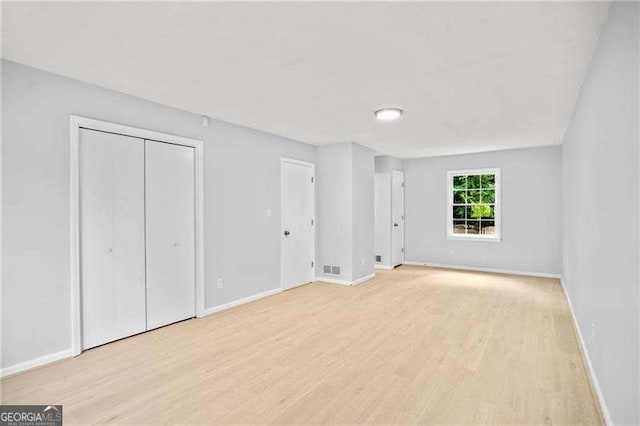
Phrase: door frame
(76, 123)
(313, 236)
(404, 242)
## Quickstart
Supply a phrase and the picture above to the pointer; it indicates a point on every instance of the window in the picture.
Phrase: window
(474, 204)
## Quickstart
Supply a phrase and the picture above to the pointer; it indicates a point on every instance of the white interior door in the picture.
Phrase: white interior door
(298, 216)
(170, 233)
(111, 237)
(397, 200)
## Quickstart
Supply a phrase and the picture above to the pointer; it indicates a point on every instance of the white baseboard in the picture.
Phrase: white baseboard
(28, 365)
(479, 269)
(224, 307)
(47, 359)
(345, 282)
(385, 267)
(333, 281)
(363, 279)
(587, 360)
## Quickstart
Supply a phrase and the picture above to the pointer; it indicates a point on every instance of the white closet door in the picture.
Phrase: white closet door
(397, 189)
(112, 237)
(297, 224)
(170, 233)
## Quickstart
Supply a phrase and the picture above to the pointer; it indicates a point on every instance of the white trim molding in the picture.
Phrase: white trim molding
(384, 267)
(593, 379)
(363, 279)
(37, 362)
(75, 124)
(332, 281)
(243, 301)
(497, 237)
(345, 282)
(480, 269)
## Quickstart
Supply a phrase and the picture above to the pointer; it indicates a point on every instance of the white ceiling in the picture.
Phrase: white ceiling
(470, 76)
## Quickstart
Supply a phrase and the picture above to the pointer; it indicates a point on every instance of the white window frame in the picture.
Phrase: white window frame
(497, 209)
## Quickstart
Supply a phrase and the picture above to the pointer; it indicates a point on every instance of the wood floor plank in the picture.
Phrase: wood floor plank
(413, 346)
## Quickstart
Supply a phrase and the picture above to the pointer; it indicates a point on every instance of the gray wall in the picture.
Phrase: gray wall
(345, 176)
(383, 218)
(242, 180)
(530, 212)
(335, 209)
(363, 211)
(387, 164)
(600, 212)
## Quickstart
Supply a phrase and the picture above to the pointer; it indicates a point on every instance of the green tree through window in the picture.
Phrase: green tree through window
(473, 203)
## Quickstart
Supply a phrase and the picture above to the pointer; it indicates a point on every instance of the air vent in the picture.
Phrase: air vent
(331, 270)
(378, 258)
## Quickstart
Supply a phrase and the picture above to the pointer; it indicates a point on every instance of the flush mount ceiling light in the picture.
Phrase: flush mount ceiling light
(388, 114)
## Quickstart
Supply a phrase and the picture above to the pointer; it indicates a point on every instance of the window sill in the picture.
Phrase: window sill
(474, 238)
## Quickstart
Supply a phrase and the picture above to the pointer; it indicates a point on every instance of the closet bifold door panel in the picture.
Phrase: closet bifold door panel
(170, 233)
(112, 238)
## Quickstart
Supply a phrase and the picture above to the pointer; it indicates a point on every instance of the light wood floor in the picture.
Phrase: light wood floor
(414, 345)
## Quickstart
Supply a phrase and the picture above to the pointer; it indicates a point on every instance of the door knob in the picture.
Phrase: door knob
(286, 233)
